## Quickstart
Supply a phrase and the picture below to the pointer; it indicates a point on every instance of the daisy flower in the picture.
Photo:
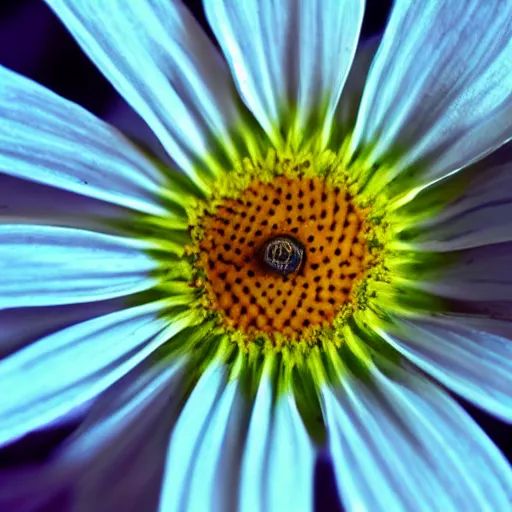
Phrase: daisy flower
(326, 256)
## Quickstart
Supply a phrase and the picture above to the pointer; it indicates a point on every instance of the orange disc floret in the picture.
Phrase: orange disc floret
(254, 298)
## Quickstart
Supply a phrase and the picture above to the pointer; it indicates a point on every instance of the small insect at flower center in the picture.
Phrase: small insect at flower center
(284, 257)
(282, 254)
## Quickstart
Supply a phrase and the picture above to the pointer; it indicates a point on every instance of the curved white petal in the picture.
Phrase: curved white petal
(208, 467)
(159, 59)
(47, 139)
(473, 275)
(64, 370)
(196, 444)
(288, 58)
(45, 265)
(403, 444)
(439, 88)
(291, 460)
(254, 463)
(211, 485)
(116, 457)
(114, 460)
(279, 458)
(471, 356)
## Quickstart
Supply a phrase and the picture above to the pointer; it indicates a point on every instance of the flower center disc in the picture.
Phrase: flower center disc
(255, 298)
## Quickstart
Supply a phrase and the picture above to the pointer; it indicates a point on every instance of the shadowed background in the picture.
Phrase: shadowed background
(35, 44)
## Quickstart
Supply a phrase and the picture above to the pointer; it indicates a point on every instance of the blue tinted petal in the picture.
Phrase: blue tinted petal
(291, 461)
(205, 415)
(402, 444)
(279, 458)
(439, 88)
(203, 469)
(115, 459)
(211, 485)
(47, 139)
(47, 265)
(471, 356)
(287, 55)
(64, 370)
(159, 59)
(253, 482)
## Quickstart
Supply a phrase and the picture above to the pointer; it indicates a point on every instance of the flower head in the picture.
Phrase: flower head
(330, 237)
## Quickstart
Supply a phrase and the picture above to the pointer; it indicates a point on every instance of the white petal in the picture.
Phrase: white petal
(196, 445)
(47, 139)
(439, 88)
(279, 458)
(288, 56)
(64, 370)
(206, 450)
(291, 460)
(117, 455)
(471, 356)
(211, 484)
(162, 63)
(45, 265)
(253, 480)
(405, 445)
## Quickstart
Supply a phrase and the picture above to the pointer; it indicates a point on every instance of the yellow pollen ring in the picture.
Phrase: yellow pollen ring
(254, 300)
